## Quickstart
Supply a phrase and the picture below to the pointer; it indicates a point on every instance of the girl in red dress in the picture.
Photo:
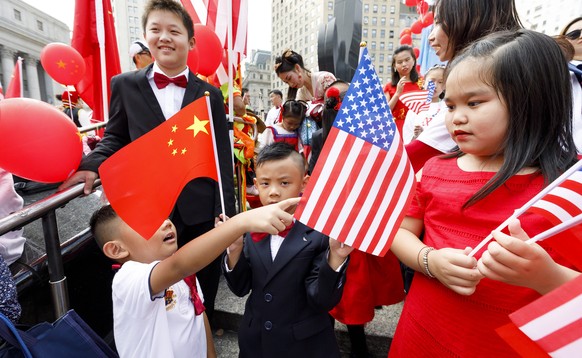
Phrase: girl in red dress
(405, 78)
(511, 143)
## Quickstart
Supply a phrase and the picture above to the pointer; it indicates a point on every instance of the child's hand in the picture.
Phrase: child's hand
(455, 269)
(338, 252)
(237, 246)
(221, 219)
(509, 259)
(272, 218)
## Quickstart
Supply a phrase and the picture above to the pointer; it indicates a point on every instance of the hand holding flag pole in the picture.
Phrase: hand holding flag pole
(527, 205)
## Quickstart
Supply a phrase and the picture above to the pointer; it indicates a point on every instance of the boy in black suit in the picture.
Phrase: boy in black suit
(141, 100)
(294, 280)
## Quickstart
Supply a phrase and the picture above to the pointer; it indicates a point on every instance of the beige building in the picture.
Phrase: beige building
(24, 32)
(548, 17)
(128, 28)
(256, 77)
(295, 25)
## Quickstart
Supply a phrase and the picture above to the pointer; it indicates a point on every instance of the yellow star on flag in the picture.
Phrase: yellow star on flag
(184, 151)
(170, 142)
(61, 64)
(198, 126)
(174, 128)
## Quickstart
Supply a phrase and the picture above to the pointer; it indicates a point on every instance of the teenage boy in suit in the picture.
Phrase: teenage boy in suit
(295, 278)
(141, 100)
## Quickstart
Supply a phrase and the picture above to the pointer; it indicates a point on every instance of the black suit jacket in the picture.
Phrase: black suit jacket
(316, 146)
(286, 314)
(134, 111)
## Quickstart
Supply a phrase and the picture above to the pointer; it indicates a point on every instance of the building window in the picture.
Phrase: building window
(374, 21)
(330, 5)
(17, 15)
(383, 21)
(382, 45)
(391, 34)
(375, 9)
(390, 48)
(365, 32)
(39, 25)
(329, 17)
(383, 9)
(382, 33)
(380, 69)
(373, 45)
(366, 20)
(392, 9)
(381, 57)
(373, 33)
(391, 21)
(366, 8)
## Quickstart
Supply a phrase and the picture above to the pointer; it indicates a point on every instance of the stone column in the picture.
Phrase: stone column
(32, 77)
(7, 65)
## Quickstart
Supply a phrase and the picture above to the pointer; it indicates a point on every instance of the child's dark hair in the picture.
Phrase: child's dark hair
(98, 221)
(285, 63)
(295, 109)
(333, 102)
(539, 132)
(413, 73)
(280, 151)
(171, 6)
(276, 92)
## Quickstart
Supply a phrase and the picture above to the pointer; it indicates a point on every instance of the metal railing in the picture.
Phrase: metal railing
(45, 210)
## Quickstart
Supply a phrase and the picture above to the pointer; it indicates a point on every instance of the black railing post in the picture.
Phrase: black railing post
(57, 278)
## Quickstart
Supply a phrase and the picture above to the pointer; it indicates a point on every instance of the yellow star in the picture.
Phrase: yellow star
(170, 142)
(174, 128)
(198, 126)
(175, 151)
(183, 151)
(61, 64)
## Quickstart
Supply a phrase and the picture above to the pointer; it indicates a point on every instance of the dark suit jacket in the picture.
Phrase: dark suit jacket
(286, 312)
(134, 111)
(316, 145)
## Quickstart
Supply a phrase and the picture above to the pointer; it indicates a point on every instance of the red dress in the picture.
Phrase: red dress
(435, 321)
(400, 110)
(370, 281)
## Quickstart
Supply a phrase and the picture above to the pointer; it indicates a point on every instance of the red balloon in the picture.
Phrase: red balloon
(428, 19)
(416, 27)
(405, 31)
(63, 63)
(416, 52)
(406, 40)
(37, 141)
(210, 49)
(193, 60)
(422, 7)
(410, 2)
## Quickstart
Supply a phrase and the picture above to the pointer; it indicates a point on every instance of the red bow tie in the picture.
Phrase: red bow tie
(258, 236)
(162, 80)
(196, 301)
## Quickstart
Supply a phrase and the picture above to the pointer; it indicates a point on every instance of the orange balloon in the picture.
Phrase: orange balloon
(37, 141)
(63, 63)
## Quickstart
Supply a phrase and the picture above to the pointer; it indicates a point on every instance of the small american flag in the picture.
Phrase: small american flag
(418, 101)
(554, 321)
(363, 182)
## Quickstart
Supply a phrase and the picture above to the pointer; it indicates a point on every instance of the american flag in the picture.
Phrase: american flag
(214, 14)
(363, 182)
(418, 101)
(554, 321)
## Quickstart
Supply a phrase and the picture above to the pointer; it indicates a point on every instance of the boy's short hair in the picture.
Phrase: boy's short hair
(280, 151)
(171, 6)
(99, 224)
(276, 92)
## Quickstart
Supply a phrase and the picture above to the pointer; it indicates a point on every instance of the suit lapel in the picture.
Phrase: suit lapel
(263, 249)
(193, 90)
(148, 93)
(296, 240)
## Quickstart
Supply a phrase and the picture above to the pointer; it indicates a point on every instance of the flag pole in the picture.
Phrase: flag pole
(527, 205)
(229, 53)
(216, 161)
(556, 229)
(100, 24)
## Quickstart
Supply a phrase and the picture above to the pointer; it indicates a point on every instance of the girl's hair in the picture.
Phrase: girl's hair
(413, 72)
(332, 103)
(539, 132)
(293, 108)
(435, 67)
(285, 63)
(465, 21)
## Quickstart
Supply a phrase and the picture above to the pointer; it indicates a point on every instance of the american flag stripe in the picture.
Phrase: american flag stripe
(363, 180)
(563, 202)
(554, 321)
(416, 101)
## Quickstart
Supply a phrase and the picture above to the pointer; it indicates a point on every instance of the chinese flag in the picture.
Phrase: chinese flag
(143, 180)
(15, 86)
(92, 28)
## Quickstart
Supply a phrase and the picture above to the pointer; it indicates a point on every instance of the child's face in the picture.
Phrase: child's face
(436, 76)
(477, 118)
(290, 123)
(168, 41)
(278, 180)
(161, 245)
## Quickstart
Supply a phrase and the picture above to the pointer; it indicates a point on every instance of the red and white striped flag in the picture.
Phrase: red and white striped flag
(554, 321)
(15, 87)
(363, 182)
(416, 101)
(214, 14)
(1, 92)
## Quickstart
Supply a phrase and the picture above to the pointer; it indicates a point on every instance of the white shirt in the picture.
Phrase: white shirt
(576, 108)
(170, 97)
(436, 134)
(163, 325)
(11, 243)
(272, 116)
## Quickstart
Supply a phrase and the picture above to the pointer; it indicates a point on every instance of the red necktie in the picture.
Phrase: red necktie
(258, 236)
(162, 81)
(196, 301)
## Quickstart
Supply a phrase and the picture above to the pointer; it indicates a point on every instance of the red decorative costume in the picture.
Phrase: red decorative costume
(436, 321)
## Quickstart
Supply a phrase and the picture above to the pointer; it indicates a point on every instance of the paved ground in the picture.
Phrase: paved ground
(74, 217)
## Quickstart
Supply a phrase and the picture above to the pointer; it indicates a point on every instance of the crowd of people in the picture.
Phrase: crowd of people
(498, 129)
